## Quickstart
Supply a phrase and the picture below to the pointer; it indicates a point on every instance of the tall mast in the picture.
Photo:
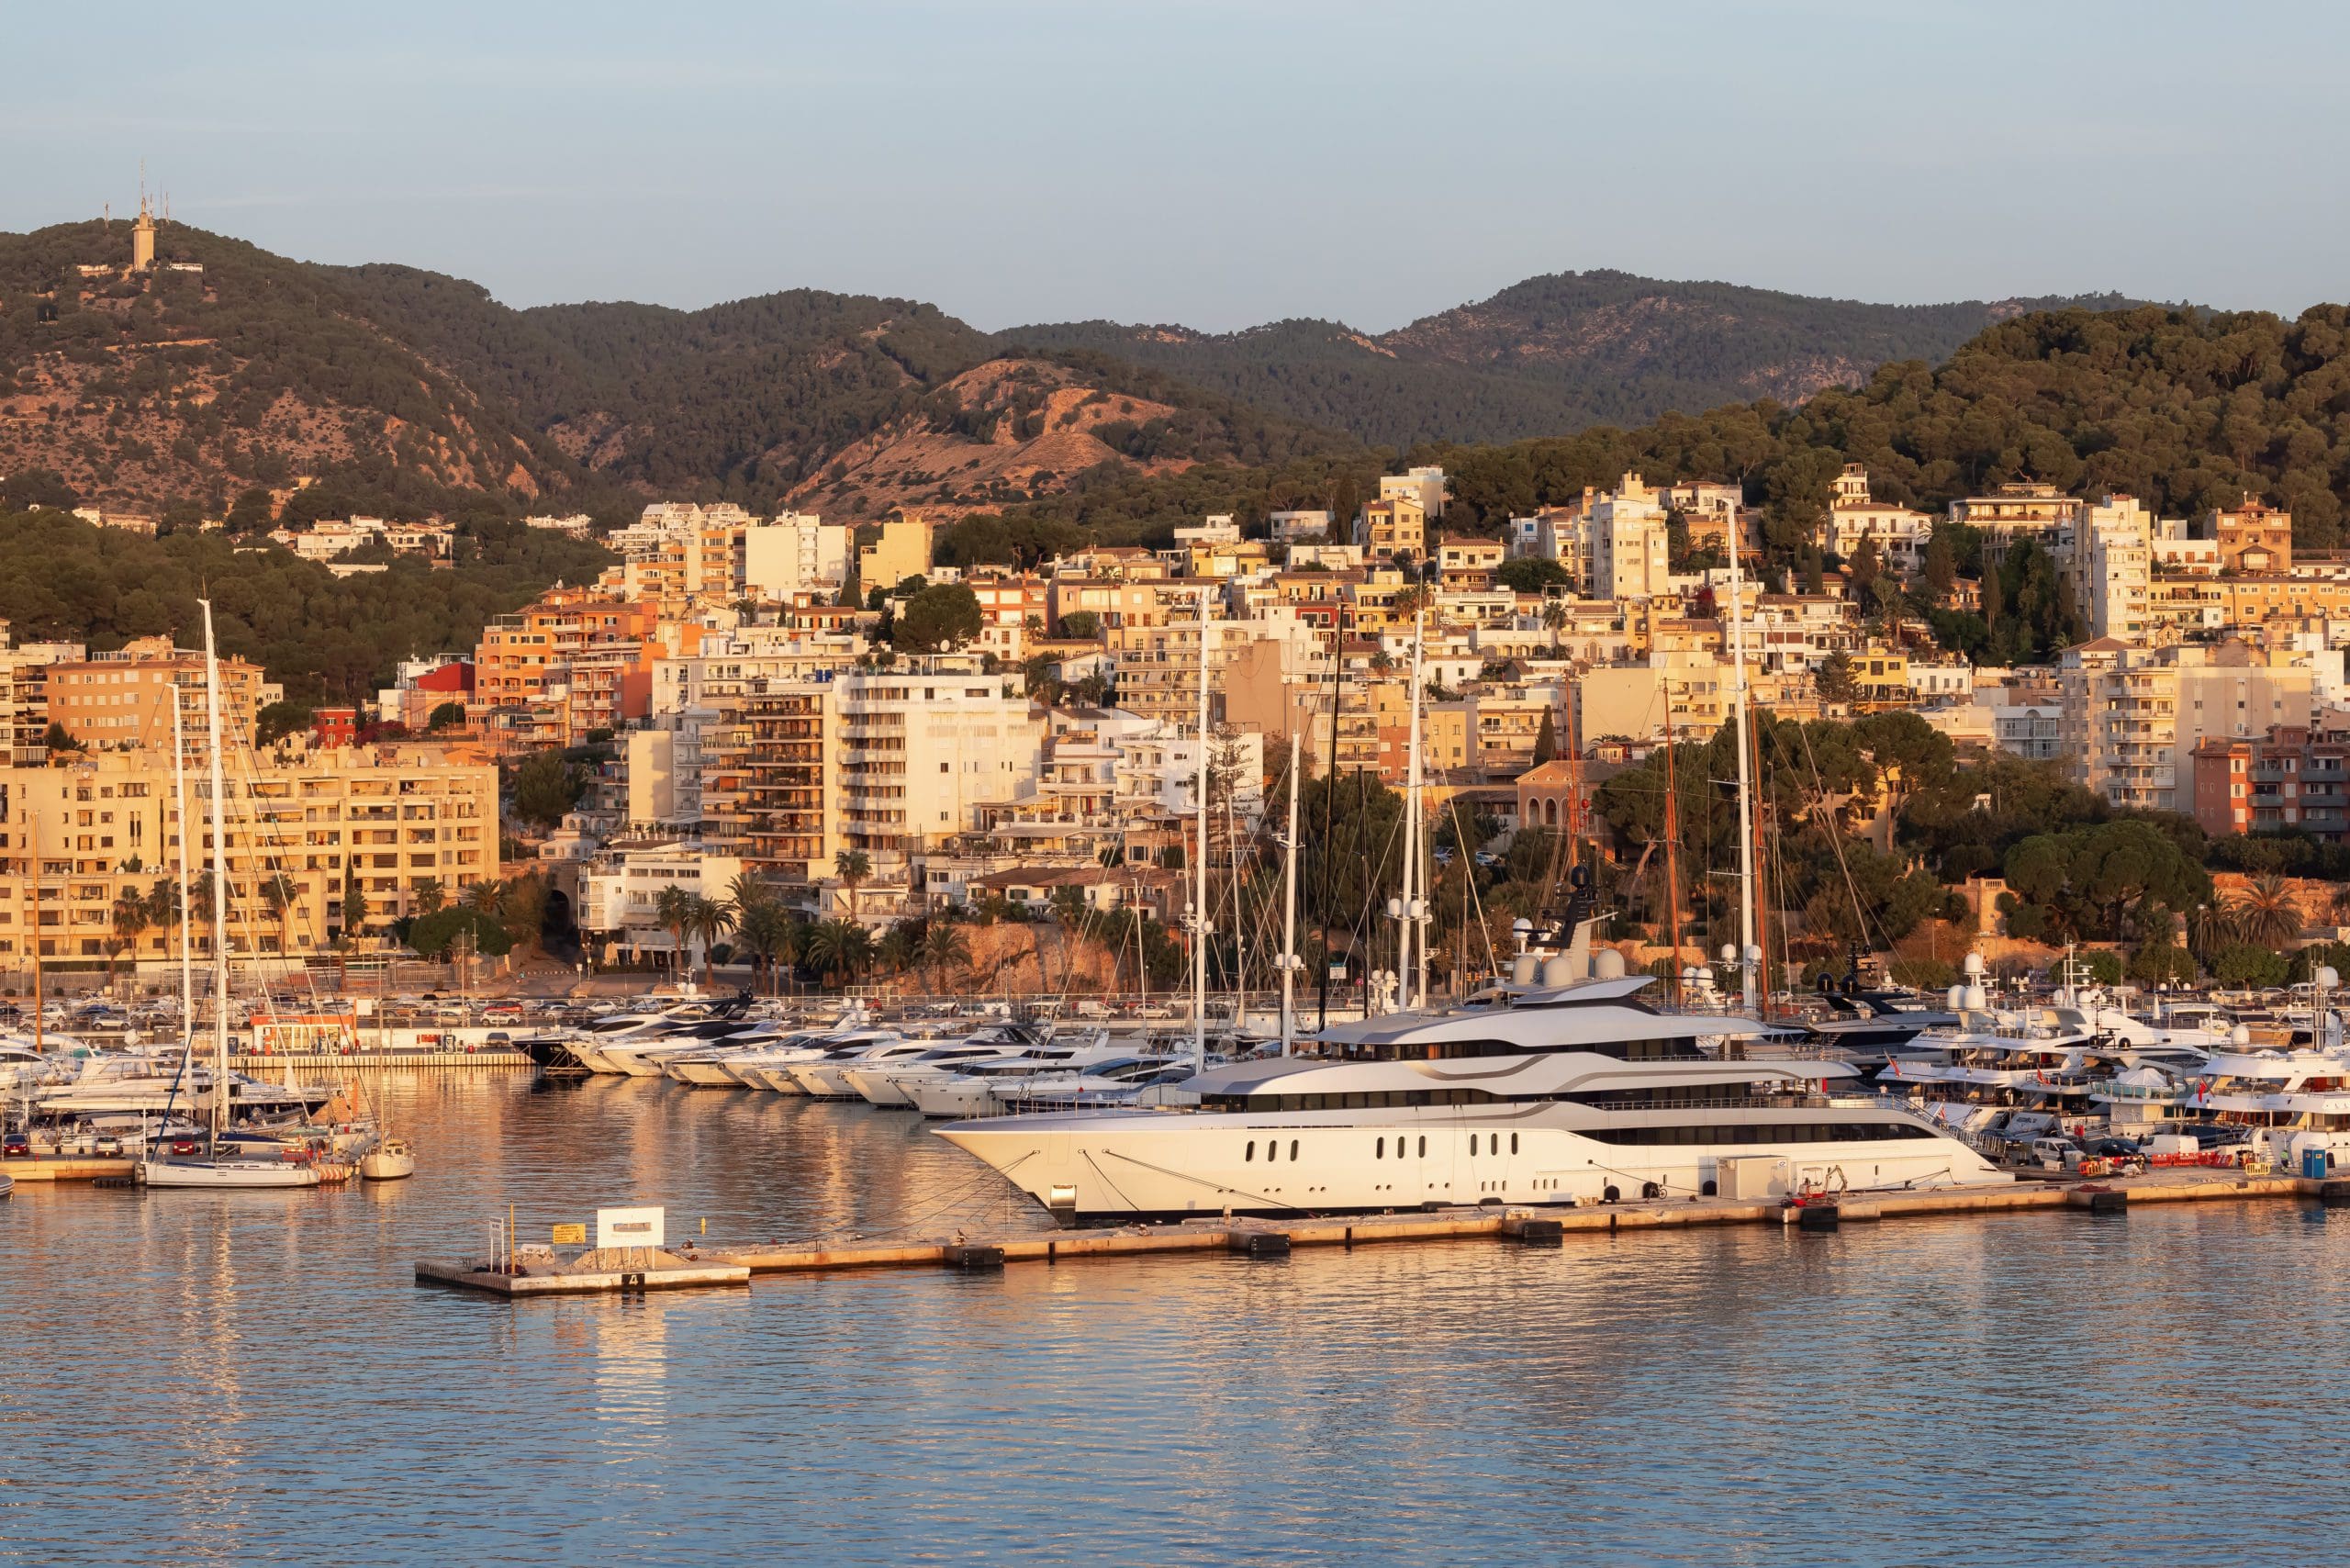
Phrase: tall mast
(1412, 973)
(219, 883)
(1672, 857)
(1200, 874)
(1289, 905)
(1330, 804)
(187, 941)
(34, 946)
(1745, 775)
(1761, 874)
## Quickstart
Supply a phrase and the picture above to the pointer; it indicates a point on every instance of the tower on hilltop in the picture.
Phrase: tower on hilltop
(142, 234)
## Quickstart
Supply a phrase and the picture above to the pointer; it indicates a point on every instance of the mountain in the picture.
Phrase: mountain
(232, 375)
(228, 371)
(194, 384)
(1551, 355)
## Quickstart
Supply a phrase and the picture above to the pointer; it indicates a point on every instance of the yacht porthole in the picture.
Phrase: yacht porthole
(1423, 1146)
(1251, 1154)
(1292, 1148)
(1513, 1143)
(1383, 1148)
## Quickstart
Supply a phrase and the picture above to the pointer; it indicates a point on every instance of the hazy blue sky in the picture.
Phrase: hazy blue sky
(1216, 164)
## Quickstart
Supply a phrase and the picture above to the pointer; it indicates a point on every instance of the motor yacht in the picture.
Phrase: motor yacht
(1578, 1092)
(971, 1092)
(827, 1077)
(780, 1073)
(888, 1085)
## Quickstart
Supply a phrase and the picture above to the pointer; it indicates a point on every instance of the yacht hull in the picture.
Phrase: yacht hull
(1089, 1166)
(224, 1174)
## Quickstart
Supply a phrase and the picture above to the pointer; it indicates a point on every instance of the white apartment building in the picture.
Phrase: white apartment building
(2106, 551)
(2132, 716)
(1423, 486)
(1287, 527)
(922, 746)
(1900, 533)
(1630, 548)
(797, 553)
(620, 892)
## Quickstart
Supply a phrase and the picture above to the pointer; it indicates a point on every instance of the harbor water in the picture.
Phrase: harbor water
(216, 1378)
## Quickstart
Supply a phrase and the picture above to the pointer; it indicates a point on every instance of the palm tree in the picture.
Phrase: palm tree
(280, 892)
(429, 895)
(748, 892)
(852, 866)
(943, 947)
(200, 905)
(2210, 927)
(485, 896)
(130, 920)
(1554, 621)
(839, 948)
(1069, 912)
(673, 908)
(766, 932)
(2269, 915)
(163, 907)
(708, 919)
(901, 946)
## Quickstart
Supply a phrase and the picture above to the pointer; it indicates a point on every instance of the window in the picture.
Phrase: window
(1292, 1148)
(1382, 1149)
(1423, 1146)
(1251, 1152)
(1513, 1143)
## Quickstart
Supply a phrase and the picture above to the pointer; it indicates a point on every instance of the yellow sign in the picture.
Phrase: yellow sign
(570, 1236)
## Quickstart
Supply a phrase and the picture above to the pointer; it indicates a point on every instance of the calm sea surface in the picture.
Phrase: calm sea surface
(214, 1379)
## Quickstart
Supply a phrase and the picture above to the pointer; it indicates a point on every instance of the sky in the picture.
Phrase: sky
(1214, 163)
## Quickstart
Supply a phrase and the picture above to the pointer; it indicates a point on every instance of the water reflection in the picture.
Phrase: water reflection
(254, 1376)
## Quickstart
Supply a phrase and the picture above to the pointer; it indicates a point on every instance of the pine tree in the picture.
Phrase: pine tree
(1546, 740)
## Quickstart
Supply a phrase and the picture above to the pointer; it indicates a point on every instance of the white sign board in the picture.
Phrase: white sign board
(629, 1227)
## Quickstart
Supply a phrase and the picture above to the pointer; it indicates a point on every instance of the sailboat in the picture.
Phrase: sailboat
(216, 1168)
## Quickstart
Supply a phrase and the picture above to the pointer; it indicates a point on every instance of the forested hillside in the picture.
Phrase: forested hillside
(1551, 355)
(323, 636)
(2187, 409)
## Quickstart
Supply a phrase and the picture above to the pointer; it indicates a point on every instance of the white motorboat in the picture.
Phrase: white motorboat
(827, 1078)
(971, 1090)
(1573, 1093)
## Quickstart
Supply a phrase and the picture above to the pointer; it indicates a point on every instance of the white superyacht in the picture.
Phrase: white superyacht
(1528, 1094)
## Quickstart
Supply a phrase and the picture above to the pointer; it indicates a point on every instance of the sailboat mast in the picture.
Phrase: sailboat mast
(1746, 951)
(220, 881)
(1200, 872)
(1413, 972)
(1672, 857)
(187, 941)
(1289, 905)
(33, 947)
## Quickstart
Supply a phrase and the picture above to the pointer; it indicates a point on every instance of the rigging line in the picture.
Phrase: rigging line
(1835, 840)
(1114, 1187)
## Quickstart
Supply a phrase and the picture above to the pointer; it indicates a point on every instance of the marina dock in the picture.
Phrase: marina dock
(1262, 1236)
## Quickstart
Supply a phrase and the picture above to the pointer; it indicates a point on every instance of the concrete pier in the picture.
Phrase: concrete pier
(65, 1168)
(1538, 1224)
